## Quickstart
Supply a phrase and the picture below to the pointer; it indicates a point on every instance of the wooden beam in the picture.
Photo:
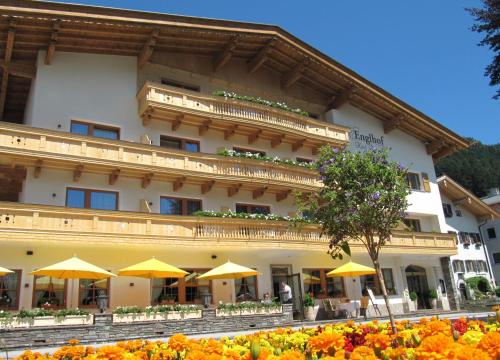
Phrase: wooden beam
(257, 193)
(254, 137)
(230, 132)
(203, 128)
(179, 183)
(148, 48)
(277, 141)
(341, 98)
(445, 151)
(261, 57)
(393, 123)
(465, 199)
(77, 173)
(38, 168)
(146, 180)
(53, 41)
(434, 146)
(294, 74)
(9, 48)
(114, 176)
(147, 116)
(296, 146)
(315, 150)
(22, 69)
(225, 55)
(283, 195)
(233, 190)
(206, 187)
(177, 122)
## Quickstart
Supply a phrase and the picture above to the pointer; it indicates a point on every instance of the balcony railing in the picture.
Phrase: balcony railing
(20, 222)
(59, 149)
(156, 98)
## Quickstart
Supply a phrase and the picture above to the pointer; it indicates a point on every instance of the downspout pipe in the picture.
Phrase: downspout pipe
(486, 251)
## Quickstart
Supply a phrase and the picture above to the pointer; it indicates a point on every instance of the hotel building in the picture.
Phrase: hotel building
(108, 145)
(466, 215)
(491, 233)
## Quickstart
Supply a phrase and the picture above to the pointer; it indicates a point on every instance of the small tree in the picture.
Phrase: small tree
(364, 199)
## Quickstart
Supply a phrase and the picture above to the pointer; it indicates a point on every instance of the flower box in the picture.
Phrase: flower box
(47, 321)
(247, 312)
(141, 317)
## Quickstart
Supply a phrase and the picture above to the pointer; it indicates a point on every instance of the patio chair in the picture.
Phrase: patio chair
(330, 311)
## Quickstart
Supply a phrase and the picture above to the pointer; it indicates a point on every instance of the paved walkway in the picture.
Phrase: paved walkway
(296, 326)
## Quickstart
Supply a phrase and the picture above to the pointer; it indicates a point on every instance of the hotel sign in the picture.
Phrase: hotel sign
(363, 141)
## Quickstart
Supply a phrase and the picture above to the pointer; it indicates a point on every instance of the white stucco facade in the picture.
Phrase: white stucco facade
(491, 235)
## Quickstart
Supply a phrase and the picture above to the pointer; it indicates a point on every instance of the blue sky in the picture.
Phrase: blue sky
(422, 52)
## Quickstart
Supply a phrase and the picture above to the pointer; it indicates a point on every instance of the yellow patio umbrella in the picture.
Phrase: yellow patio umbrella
(351, 269)
(73, 268)
(228, 270)
(4, 271)
(153, 269)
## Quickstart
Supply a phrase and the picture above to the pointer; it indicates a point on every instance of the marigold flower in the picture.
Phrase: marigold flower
(490, 343)
(326, 343)
(178, 342)
(73, 342)
(363, 353)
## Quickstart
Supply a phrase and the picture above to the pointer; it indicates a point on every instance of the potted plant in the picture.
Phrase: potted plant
(413, 298)
(310, 308)
(433, 295)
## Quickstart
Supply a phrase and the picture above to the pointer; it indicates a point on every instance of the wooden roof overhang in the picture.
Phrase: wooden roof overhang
(27, 27)
(461, 196)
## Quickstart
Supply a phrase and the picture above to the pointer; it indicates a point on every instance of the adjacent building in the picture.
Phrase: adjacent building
(491, 233)
(112, 122)
(466, 215)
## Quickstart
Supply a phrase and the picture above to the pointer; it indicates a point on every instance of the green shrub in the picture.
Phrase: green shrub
(413, 296)
(497, 291)
(478, 284)
(308, 301)
(432, 294)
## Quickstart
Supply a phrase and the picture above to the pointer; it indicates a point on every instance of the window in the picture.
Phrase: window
(49, 291)
(180, 85)
(89, 289)
(482, 266)
(316, 282)
(188, 290)
(89, 129)
(447, 210)
(458, 266)
(253, 209)
(91, 199)
(469, 265)
(10, 286)
(246, 289)
(371, 282)
(442, 286)
(242, 151)
(304, 160)
(413, 224)
(180, 144)
(413, 181)
(458, 213)
(179, 206)
(469, 238)
(491, 233)
(496, 257)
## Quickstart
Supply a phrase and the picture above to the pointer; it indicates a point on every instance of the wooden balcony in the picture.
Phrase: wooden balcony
(183, 107)
(40, 148)
(40, 223)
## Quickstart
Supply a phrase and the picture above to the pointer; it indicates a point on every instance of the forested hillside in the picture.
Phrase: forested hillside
(477, 168)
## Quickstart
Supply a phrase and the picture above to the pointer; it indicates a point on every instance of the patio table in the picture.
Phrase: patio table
(349, 308)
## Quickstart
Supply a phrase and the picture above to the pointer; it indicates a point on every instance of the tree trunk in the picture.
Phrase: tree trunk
(378, 270)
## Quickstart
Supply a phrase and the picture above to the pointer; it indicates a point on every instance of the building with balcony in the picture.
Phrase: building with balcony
(466, 216)
(116, 129)
(490, 231)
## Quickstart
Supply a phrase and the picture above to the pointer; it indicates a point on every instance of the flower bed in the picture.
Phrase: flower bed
(128, 314)
(248, 308)
(426, 340)
(258, 100)
(236, 215)
(41, 317)
(260, 157)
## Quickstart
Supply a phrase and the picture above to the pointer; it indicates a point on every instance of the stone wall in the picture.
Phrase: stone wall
(103, 329)
(449, 282)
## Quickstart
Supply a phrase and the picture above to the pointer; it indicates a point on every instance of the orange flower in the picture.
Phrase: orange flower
(378, 341)
(363, 353)
(326, 343)
(435, 327)
(231, 354)
(462, 352)
(289, 355)
(490, 343)
(73, 342)
(213, 347)
(395, 354)
(200, 355)
(178, 342)
(435, 347)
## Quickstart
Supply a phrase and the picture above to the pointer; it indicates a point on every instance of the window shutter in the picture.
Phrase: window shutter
(426, 183)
